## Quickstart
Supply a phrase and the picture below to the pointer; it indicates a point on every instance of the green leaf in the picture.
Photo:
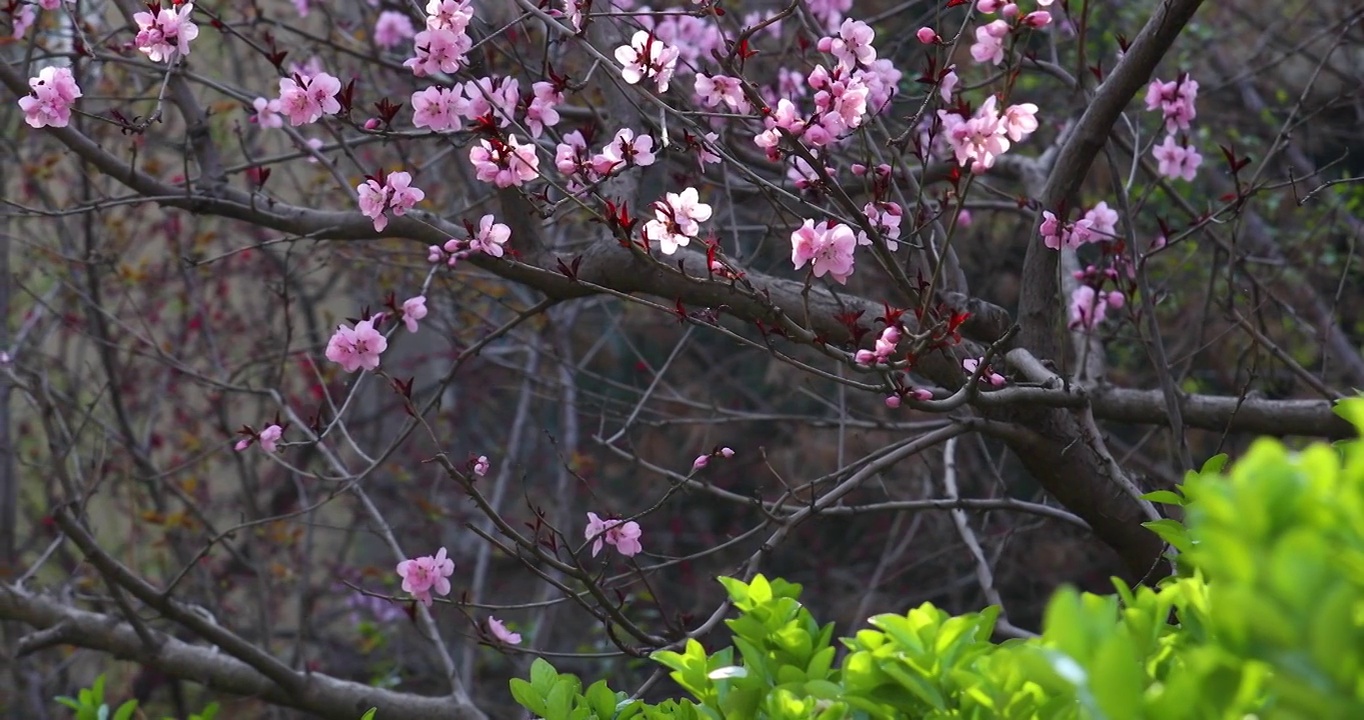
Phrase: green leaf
(1164, 497)
(600, 698)
(1172, 532)
(543, 676)
(527, 696)
(125, 710)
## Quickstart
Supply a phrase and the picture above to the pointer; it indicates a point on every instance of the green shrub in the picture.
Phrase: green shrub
(1264, 618)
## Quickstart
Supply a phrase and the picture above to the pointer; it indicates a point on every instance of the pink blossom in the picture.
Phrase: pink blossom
(51, 95)
(436, 108)
(402, 196)
(884, 348)
(487, 96)
(712, 90)
(414, 309)
(22, 19)
(373, 198)
(439, 50)
(987, 375)
(623, 536)
(927, 36)
(504, 164)
(267, 113)
(979, 140)
(623, 151)
(647, 57)
(481, 466)
(269, 438)
(1177, 160)
(500, 631)
(1019, 121)
(885, 217)
(574, 10)
(852, 45)
(892, 401)
(700, 462)
(677, 219)
(167, 32)
(829, 13)
(448, 15)
(1175, 99)
(392, 28)
(1098, 224)
(305, 99)
(490, 238)
(828, 249)
(948, 84)
(989, 44)
(357, 348)
(541, 112)
(727, 452)
(50, 4)
(1089, 307)
(421, 576)
(1036, 19)
(1055, 234)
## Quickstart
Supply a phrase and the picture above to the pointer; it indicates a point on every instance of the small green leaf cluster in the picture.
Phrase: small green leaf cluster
(1263, 618)
(89, 704)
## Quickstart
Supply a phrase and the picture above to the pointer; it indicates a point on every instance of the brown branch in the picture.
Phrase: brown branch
(322, 695)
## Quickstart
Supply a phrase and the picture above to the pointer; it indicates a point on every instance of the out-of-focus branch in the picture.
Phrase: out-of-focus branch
(322, 695)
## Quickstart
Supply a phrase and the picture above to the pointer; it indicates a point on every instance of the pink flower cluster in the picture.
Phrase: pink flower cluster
(582, 169)
(305, 98)
(1099, 224)
(357, 348)
(920, 394)
(51, 95)
(885, 347)
(1175, 101)
(987, 375)
(647, 58)
(1177, 159)
(424, 575)
(623, 536)
(392, 28)
(828, 249)
(165, 31)
(858, 86)
(269, 439)
(1089, 307)
(982, 138)
(990, 38)
(504, 164)
(394, 194)
(885, 217)
(702, 461)
(442, 47)
(677, 219)
(489, 238)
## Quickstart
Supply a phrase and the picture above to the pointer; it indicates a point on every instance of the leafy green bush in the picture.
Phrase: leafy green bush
(1263, 618)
